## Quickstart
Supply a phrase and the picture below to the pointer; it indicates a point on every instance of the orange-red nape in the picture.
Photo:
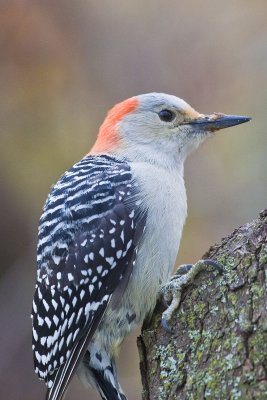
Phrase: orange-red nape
(108, 137)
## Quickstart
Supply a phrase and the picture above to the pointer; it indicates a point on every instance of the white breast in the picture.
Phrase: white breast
(163, 195)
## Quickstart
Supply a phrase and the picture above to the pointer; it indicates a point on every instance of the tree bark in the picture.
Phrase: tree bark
(219, 346)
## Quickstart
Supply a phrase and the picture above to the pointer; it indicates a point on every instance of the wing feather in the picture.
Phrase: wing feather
(85, 261)
(65, 373)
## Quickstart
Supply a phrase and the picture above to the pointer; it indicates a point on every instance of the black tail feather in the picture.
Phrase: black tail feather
(106, 388)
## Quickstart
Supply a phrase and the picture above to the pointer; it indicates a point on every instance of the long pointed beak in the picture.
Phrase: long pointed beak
(217, 121)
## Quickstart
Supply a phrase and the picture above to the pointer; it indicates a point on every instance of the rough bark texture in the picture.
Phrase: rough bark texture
(219, 346)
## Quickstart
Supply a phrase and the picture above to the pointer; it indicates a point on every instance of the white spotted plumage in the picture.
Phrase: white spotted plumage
(64, 268)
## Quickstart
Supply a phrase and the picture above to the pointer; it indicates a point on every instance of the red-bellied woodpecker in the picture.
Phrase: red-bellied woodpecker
(108, 239)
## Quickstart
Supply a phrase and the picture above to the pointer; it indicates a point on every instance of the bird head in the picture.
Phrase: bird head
(157, 127)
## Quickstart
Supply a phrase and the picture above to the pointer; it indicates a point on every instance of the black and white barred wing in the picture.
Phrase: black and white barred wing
(75, 287)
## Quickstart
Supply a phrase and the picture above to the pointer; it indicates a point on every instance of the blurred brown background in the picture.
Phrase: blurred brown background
(63, 64)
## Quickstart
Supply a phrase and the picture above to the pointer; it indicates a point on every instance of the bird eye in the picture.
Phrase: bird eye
(166, 115)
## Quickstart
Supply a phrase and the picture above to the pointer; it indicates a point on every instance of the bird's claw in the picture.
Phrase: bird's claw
(165, 325)
(214, 264)
(172, 291)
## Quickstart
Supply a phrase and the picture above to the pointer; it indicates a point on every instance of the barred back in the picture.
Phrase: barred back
(89, 234)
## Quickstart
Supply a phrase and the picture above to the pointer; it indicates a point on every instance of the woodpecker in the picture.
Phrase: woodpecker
(108, 239)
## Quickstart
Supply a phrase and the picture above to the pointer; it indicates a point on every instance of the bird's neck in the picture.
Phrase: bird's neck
(171, 162)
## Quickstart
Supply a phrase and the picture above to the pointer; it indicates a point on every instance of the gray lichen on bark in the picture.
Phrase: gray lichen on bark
(219, 346)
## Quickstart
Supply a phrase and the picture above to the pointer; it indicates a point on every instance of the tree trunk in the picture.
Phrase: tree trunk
(219, 346)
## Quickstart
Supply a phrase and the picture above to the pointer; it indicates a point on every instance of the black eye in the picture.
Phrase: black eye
(166, 115)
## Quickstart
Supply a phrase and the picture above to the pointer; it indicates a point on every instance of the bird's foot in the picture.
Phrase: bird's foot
(172, 291)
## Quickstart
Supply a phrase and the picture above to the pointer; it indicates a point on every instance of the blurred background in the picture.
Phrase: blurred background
(63, 64)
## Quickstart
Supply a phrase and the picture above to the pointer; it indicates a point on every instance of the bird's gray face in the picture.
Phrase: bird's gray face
(165, 123)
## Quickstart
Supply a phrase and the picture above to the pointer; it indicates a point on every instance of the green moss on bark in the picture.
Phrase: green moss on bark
(219, 346)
